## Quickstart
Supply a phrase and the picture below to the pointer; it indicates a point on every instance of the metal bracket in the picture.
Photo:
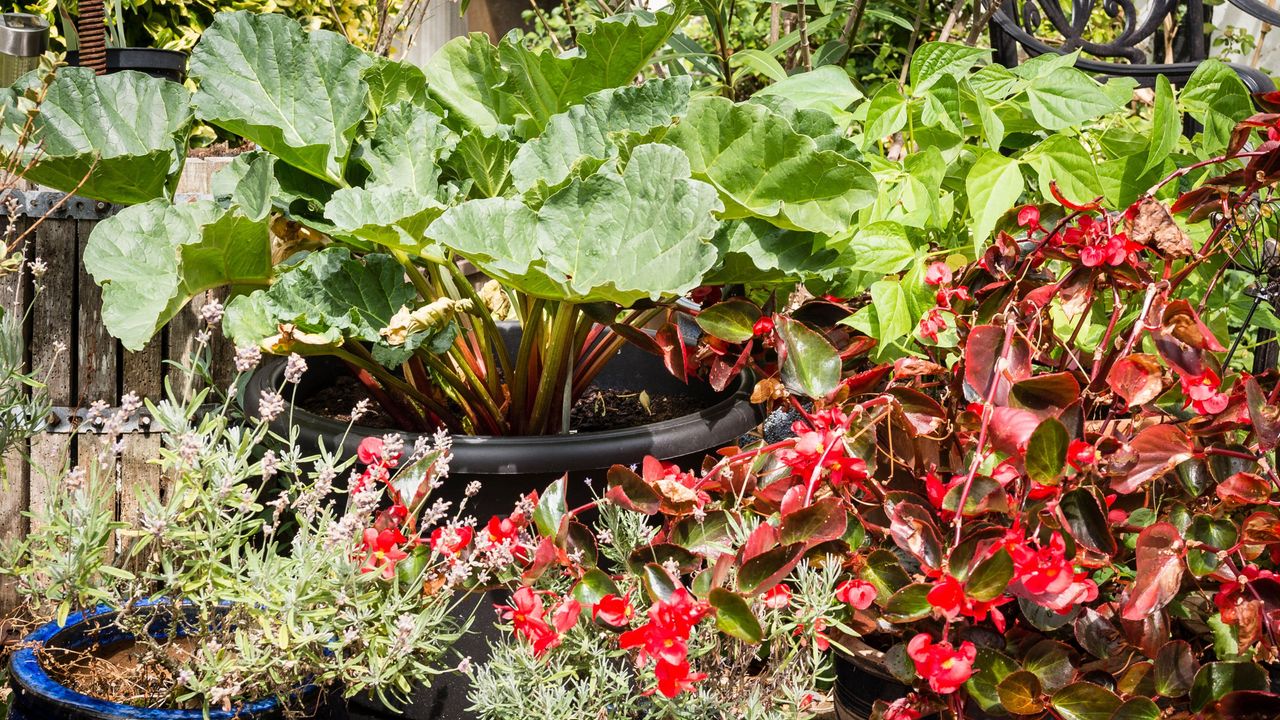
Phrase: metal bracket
(41, 203)
(66, 421)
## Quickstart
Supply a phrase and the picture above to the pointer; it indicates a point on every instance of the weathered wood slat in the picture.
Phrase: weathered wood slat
(66, 339)
(143, 373)
(53, 328)
(15, 483)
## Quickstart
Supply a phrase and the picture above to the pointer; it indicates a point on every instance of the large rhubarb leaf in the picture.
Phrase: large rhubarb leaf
(763, 167)
(583, 131)
(330, 295)
(406, 149)
(301, 96)
(466, 77)
(756, 251)
(124, 134)
(609, 55)
(402, 194)
(396, 218)
(151, 259)
(643, 233)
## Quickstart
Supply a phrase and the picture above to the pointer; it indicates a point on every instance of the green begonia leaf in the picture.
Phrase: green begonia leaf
(301, 96)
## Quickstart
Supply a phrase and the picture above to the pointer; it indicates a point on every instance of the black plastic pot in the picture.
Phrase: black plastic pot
(509, 467)
(861, 680)
(37, 696)
(163, 64)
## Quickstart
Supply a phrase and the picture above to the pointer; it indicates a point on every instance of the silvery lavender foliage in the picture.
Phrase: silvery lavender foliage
(24, 403)
(276, 605)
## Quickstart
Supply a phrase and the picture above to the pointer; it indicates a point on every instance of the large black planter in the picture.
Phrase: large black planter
(860, 682)
(509, 467)
(37, 696)
(163, 64)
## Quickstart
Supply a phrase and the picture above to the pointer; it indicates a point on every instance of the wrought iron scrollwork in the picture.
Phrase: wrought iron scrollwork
(1017, 25)
(1024, 20)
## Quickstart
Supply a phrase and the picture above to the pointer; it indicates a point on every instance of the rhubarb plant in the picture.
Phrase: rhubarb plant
(590, 201)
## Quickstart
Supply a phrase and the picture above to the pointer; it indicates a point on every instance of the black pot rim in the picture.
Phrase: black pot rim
(29, 676)
(725, 420)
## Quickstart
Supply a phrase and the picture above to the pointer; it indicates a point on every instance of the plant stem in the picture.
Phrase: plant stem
(982, 431)
(493, 345)
(532, 327)
(559, 349)
(850, 29)
(355, 354)
(803, 20)
(911, 44)
(952, 17)
(982, 21)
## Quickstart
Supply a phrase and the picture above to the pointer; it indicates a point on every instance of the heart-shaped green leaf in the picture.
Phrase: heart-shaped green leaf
(811, 365)
(732, 320)
(1216, 679)
(1020, 693)
(1085, 701)
(734, 616)
(551, 509)
(1047, 452)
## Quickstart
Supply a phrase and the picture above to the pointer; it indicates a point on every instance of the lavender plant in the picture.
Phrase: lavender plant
(281, 574)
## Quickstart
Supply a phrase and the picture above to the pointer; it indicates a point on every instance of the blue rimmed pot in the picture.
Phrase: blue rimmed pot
(38, 696)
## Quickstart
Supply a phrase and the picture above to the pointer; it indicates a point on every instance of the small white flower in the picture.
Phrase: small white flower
(211, 312)
(270, 405)
(360, 410)
(247, 358)
(294, 368)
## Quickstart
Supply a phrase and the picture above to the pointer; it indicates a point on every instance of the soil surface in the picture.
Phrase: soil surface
(127, 673)
(617, 409)
(597, 410)
(337, 399)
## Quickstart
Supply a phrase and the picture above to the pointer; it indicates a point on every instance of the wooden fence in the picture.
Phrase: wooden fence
(68, 345)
